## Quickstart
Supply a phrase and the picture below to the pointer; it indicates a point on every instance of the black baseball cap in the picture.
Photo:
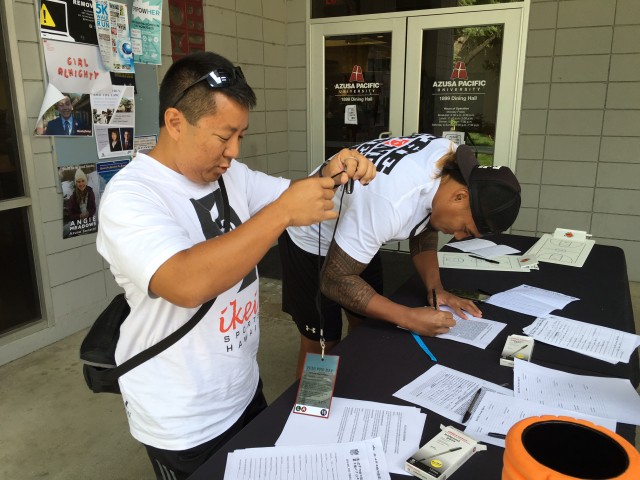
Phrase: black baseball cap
(494, 193)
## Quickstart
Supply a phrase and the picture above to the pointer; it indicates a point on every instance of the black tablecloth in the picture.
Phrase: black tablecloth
(377, 358)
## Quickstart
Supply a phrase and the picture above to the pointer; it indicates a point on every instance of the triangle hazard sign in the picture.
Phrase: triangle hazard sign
(46, 20)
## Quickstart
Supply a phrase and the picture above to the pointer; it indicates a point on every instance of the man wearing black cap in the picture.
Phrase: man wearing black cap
(424, 185)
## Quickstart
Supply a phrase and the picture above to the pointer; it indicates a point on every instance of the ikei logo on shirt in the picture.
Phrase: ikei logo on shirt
(240, 321)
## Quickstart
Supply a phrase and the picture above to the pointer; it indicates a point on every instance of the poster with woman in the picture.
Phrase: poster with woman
(80, 198)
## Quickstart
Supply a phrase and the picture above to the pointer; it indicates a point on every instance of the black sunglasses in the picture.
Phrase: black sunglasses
(217, 78)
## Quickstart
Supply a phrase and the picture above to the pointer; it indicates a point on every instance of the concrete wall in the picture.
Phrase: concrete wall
(579, 145)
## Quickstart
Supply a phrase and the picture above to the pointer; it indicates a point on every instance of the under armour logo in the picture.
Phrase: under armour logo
(309, 329)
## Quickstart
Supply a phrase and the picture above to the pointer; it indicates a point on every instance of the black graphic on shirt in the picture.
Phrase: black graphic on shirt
(214, 228)
(385, 153)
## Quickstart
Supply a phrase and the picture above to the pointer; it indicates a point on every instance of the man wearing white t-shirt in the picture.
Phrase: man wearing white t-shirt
(188, 223)
(424, 185)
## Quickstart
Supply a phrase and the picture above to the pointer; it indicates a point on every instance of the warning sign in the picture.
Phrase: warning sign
(68, 21)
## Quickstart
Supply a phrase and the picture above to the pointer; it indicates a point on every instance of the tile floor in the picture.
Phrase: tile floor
(54, 428)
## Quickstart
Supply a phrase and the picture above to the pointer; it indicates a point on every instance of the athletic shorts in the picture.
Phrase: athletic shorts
(300, 290)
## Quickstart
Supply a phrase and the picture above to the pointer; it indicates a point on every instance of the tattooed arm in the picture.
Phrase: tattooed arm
(424, 253)
(341, 281)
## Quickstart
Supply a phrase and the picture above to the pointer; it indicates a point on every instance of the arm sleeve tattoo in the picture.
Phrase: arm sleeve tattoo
(425, 241)
(340, 280)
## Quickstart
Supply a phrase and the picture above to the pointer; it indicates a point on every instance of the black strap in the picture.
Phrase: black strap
(166, 342)
(162, 345)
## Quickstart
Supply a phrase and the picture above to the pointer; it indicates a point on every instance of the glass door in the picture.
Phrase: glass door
(356, 81)
(462, 77)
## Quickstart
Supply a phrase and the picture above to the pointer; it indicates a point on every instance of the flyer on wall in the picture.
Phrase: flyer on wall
(64, 114)
(67, 21)
(80, 198)
(106, 170)
(146, 31)
(75, 68)
(114, 39)
(113, 121)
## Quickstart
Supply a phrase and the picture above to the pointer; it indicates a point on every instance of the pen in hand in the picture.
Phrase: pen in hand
(472, 404)
(435, 299)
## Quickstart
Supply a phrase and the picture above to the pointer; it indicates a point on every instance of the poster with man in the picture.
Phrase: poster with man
(64, 114)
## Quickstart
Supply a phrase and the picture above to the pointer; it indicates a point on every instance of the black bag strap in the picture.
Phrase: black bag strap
(166, 342)
(162, 345)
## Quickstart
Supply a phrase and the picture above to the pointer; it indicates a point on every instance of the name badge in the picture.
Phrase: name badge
(316, 385)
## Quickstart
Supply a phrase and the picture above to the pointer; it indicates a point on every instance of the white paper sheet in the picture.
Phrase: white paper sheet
(464, 262)
(475, 331)
(613, 398)
(603, 343)
(399, 428)
(347, 461)
(484, 248)
(562, 251)
(446, 391)
(498, 413)
(529, 300)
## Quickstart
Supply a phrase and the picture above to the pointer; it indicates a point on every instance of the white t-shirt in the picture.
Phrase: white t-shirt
(395, 206)
(197, 388)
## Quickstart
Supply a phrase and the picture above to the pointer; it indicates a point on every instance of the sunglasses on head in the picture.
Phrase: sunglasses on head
(217, 78)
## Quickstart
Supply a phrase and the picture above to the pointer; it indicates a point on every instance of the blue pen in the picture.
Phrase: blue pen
(423, 346)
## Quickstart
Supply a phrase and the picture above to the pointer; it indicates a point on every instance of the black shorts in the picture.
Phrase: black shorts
(300, 290)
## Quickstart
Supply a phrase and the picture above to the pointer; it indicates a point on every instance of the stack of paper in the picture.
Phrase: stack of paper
(534, 301)
(349, 461)
(447, 392)
(496, 414)
(398, 427)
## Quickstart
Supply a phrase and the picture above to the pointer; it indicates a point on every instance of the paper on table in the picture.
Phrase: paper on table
(446, 391)
(465, 262)
(529, 300)
(348, 461)
(567, 252)
(498, 413)
(475, 331)
(600, 396)
(399, 428)
(484, 248)
(557, 299)
(595, 341)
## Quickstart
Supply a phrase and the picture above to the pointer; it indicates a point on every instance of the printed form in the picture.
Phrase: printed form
(529, 300)
(595, 341)
(475, 331)
(498, 413)
(447, 392)
(398, 427)
(347, 461)
(613, 398)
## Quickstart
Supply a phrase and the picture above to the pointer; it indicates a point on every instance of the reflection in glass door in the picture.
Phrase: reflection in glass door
(357, 88)
(356, 82)
(459, 79)
(462, 72)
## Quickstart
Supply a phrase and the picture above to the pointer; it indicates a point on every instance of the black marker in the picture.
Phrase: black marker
(485, 259)
(497, 435)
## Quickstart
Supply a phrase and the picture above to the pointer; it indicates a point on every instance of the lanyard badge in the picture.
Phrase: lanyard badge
(316, 385)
